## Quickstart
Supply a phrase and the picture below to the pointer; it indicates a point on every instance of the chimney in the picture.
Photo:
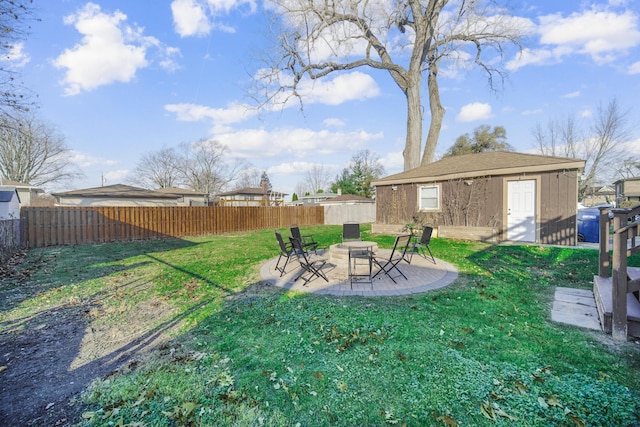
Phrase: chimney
(339, 191)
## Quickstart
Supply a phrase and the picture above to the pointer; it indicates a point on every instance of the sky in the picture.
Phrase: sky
(121, 78)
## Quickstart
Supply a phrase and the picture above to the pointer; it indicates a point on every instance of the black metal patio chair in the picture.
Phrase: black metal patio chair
(419, 246)
(351, 231)
(310, 268)
(307, 241)
(286, 252)
(390, 264)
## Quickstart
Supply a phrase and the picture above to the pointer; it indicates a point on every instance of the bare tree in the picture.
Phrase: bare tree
(249, 178)
(628, 168)
(15, 16)
(317, 179)
(33, 152)
(405, 38)
(204, 167)
(158, 169)
(599, 146)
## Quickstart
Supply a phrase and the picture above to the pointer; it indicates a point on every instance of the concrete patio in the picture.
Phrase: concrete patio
(422, 276)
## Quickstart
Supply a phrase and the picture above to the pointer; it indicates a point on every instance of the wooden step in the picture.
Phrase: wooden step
(602, 293)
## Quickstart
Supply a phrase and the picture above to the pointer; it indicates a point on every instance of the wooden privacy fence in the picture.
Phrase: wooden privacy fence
(10, 239)
(83, 225)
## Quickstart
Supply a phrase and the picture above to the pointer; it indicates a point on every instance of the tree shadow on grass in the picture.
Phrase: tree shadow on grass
(53, 267)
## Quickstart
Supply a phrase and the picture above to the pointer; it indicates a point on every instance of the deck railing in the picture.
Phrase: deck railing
(623, 224)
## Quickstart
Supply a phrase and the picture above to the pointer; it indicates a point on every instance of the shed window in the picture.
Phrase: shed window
(429, 197)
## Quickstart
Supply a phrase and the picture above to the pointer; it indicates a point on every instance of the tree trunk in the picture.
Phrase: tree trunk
(437, 113)
(413, 142)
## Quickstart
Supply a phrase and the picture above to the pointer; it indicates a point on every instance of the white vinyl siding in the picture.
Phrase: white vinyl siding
(429, 197)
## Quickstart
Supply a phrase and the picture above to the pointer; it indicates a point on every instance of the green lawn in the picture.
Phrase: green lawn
(482, 351)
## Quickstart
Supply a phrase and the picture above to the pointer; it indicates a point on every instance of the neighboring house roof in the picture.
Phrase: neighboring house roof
(347, 198)
(117, 190)
(635, 178)
(180, 191)
(249, 191)
(481, 164)
(8, 182)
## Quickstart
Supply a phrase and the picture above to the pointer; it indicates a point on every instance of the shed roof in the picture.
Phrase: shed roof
(481, 164)
(117, 191)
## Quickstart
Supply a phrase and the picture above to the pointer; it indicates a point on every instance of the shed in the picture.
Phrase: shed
(9, 203)
(116, 195)
(492, 196)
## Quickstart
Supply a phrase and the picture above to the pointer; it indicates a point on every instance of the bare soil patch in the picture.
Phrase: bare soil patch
(50, 355)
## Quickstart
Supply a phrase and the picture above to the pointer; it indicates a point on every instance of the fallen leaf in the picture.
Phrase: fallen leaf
(487, 410)
(543, 403)
(577, 421)
(554, 401)
(448, 420)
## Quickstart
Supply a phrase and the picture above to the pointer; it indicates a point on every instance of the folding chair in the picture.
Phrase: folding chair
(386, 266)
(308, 242)
(420, 246)
(310, 269)
(286, 252)
(350, 231)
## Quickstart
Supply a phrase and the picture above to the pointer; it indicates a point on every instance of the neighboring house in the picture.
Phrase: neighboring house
(116, 195)
(627, 190)
(349, 208)
(314, 199)
(9, 203)
(595, 196)
(250, 196)
(494, 196)
(187, 197)
(26, 192)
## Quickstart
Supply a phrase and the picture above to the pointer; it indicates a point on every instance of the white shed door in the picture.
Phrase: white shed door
(521, 215)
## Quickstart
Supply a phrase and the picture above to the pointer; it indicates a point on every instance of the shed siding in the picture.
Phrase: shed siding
(558, 204)
(480, 202)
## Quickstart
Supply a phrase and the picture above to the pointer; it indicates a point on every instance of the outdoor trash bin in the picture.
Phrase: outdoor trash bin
(589, 225)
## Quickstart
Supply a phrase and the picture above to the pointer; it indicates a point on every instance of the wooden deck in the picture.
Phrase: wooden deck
(603, 296)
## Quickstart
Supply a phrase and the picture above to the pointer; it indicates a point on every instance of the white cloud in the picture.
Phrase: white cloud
(198, 17)
(532, 112)
(586, 113)
(573, 94)
(474, 111)
(634, 68)
(343, 88)
(110, 51)
(222, 118)
(334, 122)
(190, 18)
(16, 57)
(83, 160)
(298, 143)
(115, 176)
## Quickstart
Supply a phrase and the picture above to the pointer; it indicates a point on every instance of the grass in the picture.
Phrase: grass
(480, 352)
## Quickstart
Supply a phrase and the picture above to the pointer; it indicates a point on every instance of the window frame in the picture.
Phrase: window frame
(438, 189)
